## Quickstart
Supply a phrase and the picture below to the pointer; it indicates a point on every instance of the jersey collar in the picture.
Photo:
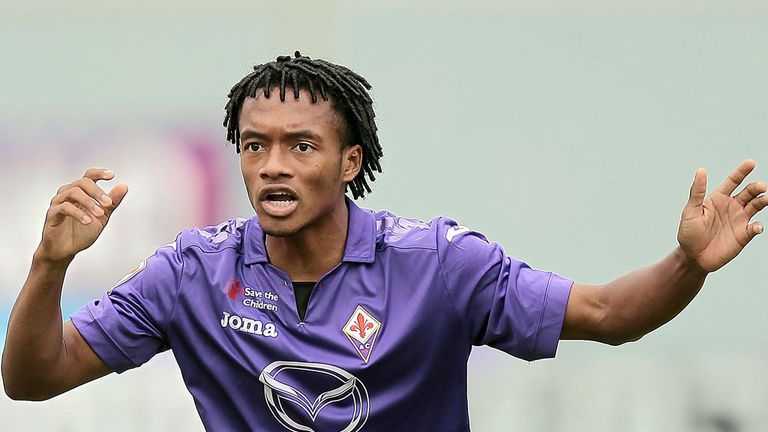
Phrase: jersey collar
(361, 237)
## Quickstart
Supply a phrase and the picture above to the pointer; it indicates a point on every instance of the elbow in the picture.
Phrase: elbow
(616, 326)
(14, 394)
(21, 393)
(594, 313)
(19, 390)
(621, 339)
(616, 330)
(12, 390)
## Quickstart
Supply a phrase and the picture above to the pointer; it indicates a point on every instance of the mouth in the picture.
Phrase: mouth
(278, 202)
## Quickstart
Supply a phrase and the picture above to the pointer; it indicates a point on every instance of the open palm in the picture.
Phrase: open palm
(713, 230)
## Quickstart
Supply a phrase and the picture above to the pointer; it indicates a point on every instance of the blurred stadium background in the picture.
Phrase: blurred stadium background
(569, 132)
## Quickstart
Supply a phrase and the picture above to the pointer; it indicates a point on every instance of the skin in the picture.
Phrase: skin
(713, 230)
(297, 144)
(44, 358)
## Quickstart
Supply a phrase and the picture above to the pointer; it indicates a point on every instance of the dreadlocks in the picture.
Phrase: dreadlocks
(346, 90)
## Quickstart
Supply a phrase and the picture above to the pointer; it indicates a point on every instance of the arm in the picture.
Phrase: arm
(42, 356)
(712, 232)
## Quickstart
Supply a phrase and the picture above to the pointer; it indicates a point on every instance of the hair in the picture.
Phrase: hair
(347, 91)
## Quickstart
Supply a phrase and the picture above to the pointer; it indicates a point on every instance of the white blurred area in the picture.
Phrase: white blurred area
(568, 132)
(175, 180)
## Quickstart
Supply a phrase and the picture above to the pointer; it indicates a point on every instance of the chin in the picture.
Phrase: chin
(279, 231)
(278, 228)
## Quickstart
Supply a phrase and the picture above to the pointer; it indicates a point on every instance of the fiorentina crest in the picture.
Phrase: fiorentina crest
(362, 329)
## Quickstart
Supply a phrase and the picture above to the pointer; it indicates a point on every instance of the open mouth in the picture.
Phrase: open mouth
(283, 199)
(279, 203)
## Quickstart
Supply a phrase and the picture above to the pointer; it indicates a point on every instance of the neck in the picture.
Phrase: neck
(313, 251)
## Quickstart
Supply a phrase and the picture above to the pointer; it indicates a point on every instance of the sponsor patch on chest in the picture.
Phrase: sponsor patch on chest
(248, 325)
(362, 329)
(250, 297)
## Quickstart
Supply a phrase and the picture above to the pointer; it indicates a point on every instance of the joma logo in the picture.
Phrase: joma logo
(247, 325)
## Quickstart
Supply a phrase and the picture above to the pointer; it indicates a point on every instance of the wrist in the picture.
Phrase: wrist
(43, 261)
(687, 264)
(47, 275)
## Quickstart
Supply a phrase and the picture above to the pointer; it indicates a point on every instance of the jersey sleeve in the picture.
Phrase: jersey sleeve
(504, 303)
(128, 325)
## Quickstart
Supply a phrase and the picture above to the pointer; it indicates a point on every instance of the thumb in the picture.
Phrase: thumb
(753, 230)
(697, 194)
(117, 194)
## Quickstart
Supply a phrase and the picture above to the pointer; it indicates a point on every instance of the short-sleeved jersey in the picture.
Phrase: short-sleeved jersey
(386, 337)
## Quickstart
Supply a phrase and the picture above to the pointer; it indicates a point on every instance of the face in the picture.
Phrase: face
(293, 162)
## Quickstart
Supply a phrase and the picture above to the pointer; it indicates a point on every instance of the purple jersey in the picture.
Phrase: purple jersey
(384, 343)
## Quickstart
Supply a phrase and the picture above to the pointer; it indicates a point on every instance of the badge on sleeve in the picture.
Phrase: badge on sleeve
(138, 269)
(130, 274)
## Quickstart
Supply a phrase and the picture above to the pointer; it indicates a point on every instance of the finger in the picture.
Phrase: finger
(88, 181)
(736, 177)
(756, 205)
(59, 213)
(78, 196)
(99, 174)
(750, 192)
(91, 188)
(696, 195)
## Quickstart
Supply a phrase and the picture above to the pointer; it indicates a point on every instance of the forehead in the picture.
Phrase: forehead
(261, 112)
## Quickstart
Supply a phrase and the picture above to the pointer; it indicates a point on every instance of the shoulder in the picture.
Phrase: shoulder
(190, 245)
(228, 234)
(438, 233)
(402, 232)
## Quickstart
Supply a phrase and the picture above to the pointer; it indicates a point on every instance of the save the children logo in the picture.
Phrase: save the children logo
(362, 329)
(264, 300)
(233, 289)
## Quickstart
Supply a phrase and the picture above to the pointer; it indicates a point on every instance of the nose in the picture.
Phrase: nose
(275, 165)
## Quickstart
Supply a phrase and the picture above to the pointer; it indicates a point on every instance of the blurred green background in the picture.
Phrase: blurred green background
(568, 132)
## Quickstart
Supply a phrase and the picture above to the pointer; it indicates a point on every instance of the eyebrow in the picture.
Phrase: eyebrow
(298, 134)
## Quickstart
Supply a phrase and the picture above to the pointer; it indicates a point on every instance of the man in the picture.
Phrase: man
(316, 314)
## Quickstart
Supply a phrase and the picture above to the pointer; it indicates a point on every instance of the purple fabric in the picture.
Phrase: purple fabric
(386, 337)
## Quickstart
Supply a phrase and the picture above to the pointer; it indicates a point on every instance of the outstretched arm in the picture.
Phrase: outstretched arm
(42, 356)
(713, 230)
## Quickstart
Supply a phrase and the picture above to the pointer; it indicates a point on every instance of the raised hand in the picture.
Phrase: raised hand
(77, 215)
(713, 230)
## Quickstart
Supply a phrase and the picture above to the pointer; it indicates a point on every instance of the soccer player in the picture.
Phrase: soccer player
(316, 314)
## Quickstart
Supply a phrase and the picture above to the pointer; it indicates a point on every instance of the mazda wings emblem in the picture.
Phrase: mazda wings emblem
(276, 391)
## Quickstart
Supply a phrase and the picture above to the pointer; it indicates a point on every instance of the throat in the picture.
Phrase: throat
(306, 257)
(302, 291)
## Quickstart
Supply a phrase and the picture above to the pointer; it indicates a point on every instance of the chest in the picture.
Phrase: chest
(370, 333)
(357, 315)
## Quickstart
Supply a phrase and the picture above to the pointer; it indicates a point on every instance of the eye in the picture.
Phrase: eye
(303, 147)
(254, 147)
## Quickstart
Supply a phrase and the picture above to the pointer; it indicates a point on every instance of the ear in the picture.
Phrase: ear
(351, 162)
